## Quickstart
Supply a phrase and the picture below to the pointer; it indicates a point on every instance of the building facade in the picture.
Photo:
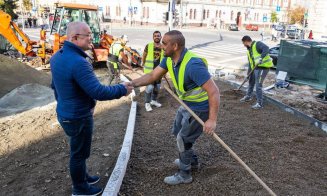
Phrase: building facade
(190, 12)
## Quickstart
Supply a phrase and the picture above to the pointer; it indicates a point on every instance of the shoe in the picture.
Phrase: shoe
(246, 98)
(90, 191)
(178, 179)
(155, 103)
(194, 165)
(92, 179)
(257, 106)
(148, 107)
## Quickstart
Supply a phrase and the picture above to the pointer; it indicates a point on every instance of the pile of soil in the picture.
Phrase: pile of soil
(14, 74)
(287, 153)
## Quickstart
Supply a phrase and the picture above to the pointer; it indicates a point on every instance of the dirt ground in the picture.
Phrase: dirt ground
(14, 74)
(287, 153)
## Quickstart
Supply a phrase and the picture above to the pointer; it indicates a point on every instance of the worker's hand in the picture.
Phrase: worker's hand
(209, 126)
(129, 87)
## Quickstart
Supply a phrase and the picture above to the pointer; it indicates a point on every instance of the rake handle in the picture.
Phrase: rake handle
(215, 136)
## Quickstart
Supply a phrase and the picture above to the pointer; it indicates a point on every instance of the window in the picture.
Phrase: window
(217, 13)
(204, 14)
(191, 14)
(147, 12)
(194, 16)
(107, 11)
(208, 13)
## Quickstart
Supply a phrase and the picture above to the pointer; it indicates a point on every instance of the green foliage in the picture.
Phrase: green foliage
(9, 6)
(273, 17)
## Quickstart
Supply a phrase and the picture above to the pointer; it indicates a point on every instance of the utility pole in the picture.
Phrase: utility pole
(181, 15)
(131, 12)
(170, 14)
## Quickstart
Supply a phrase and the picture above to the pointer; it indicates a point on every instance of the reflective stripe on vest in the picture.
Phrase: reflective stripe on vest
(266, 61)
(193, 95)
(148, 65)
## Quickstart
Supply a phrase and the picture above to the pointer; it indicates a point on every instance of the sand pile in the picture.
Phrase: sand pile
(14, 74)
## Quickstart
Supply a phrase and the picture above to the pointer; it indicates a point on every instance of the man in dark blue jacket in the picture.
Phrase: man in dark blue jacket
(76, 88)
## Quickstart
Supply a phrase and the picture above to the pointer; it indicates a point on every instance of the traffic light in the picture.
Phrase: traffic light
(165, 16)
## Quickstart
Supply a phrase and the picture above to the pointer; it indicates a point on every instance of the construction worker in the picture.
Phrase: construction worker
(76, 89)
(152, 55)
(195, 87)
(117, 53)
(260, 61)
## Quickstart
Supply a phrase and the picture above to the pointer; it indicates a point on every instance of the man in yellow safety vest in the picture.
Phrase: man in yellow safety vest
(195, 87)
(260, 61)
(152, 55)
(115, 58)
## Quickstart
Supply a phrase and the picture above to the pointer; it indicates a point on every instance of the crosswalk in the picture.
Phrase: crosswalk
(217, 53)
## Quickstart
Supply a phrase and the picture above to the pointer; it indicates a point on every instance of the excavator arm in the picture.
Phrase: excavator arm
(8, 29)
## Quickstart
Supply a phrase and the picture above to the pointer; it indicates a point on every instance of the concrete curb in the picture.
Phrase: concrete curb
(116, 178)
(286, 108)
(117, 175)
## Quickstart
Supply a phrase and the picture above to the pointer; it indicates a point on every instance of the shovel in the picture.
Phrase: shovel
(246, 79)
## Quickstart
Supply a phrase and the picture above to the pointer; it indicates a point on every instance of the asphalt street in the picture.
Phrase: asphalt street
(221, 48)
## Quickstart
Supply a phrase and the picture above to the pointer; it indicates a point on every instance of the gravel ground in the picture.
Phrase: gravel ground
(285, 152)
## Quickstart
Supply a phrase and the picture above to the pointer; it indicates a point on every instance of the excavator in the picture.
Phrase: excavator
(64, 13)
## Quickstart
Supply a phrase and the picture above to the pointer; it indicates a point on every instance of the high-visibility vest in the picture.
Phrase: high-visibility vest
(148, 65)
(266, 61)
(197, 94)
(114, 50)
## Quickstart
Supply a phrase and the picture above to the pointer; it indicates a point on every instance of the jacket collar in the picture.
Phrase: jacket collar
(71, 46)
(181, 57)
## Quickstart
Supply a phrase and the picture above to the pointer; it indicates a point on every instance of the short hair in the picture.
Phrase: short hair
(74, 28)
(177, 37)
(156, 32)
(246, 38)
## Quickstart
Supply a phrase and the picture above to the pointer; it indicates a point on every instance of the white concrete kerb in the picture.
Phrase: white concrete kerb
(116, 178)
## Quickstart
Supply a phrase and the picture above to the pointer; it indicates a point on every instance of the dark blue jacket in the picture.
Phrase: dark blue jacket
(75, 85)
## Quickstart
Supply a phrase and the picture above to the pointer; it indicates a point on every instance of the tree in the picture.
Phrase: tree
(273, 17)
(296, 15)
(9, 6)
(27, 5)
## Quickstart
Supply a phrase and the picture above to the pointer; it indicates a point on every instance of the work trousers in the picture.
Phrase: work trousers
(186, 130)
(79, 132)
(151, 92)
(256, 79)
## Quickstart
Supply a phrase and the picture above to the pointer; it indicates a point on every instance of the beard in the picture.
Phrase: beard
(157, 41)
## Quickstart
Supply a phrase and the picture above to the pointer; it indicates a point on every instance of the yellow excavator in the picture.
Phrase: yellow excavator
(12, 32)
(64, 13)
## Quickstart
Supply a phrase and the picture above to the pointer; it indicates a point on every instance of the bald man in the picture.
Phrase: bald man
(76, 89)
(196, 89)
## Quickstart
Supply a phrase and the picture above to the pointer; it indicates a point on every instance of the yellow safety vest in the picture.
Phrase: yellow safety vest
(266, 61)
(193, 95)
(114, 50)
(148, 65)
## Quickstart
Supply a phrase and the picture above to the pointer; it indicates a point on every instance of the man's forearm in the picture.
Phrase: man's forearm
(144, 80)
(214, 101)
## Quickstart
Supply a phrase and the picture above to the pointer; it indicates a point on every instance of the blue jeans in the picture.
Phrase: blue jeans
(256, 79)
(80, 136)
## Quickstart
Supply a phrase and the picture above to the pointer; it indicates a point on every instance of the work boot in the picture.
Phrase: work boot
(246, 98)
(92, 179)
(148, 107)
(155, 103)
(257, 106)
(194, 165)
(178, 178)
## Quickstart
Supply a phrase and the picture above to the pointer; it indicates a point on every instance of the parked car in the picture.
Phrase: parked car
(273, 53)
(252, 27)
(291, 34)
(233, 27)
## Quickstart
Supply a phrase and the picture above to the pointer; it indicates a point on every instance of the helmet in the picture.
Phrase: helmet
(124, 38)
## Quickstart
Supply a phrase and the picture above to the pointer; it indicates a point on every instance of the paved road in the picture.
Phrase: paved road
(220, 48)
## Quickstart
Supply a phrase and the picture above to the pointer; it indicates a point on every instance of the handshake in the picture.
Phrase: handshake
(129, 87)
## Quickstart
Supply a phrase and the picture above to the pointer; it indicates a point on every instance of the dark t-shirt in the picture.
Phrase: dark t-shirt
(196, 74)
(156, 55)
